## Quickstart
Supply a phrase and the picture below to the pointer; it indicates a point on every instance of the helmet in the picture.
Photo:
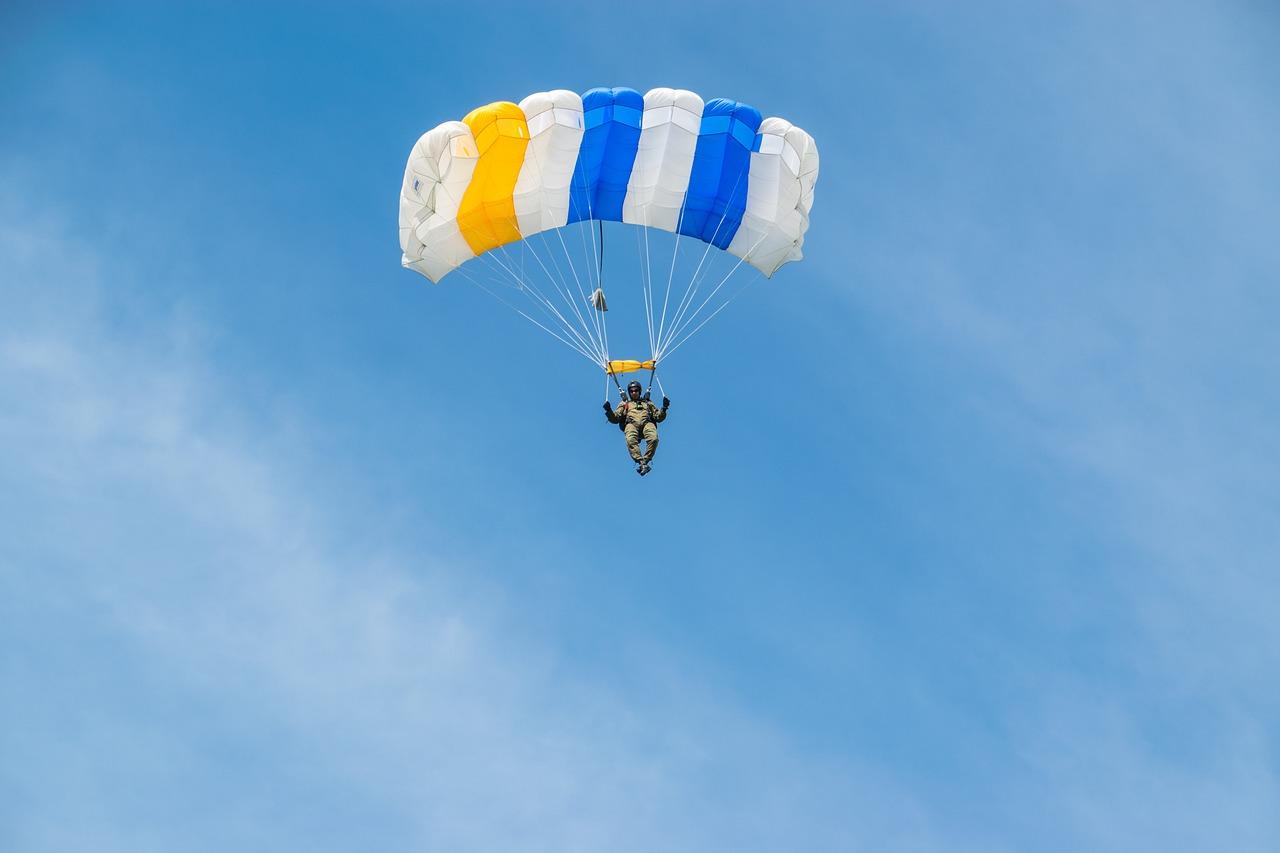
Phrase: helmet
(634, 386)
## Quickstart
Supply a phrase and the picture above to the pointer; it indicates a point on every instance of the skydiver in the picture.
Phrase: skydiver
(638, 418)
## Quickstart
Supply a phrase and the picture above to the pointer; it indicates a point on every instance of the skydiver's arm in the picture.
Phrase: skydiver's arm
(609, 413)
(659, 415)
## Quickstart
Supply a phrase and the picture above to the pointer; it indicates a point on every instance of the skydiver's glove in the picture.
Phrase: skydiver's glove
(666, 403)
(608, 407)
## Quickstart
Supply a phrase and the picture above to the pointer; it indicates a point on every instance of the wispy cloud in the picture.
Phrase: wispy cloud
(1113, 325)
(199, 658)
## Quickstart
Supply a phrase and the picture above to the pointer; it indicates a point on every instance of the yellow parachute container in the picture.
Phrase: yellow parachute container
(628, 366)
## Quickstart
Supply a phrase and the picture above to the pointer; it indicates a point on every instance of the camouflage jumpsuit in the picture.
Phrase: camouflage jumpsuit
(639, 420)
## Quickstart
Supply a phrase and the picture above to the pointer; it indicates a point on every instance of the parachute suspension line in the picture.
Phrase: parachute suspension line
(671, 273)
(595, 317)
(586, 226)
(693, 316)
(563, 291)
(689, 291)
(573, 268)
(536, 295)
(573, 340)
(591, 271)
(708, 319)
(562, 287)
(644, 289)
(647, 281)
(599, 256)
(595, 249)
(500, 257)
(604, 320)
(723, 306)
(572, 303)
(570, 344)
(556, 263)
(695, 282)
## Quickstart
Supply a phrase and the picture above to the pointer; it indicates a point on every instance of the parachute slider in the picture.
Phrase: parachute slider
(597, 300)
(628, 366)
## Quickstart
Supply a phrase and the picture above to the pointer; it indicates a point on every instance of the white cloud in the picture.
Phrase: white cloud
(208, 655)
(1115, 331)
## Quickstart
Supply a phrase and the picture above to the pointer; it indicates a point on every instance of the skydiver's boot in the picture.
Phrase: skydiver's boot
(644, 468)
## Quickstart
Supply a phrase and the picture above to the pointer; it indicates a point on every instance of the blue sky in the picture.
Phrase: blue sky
(962, 536)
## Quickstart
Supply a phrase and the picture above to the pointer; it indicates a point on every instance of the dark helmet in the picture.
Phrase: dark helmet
(634, 386)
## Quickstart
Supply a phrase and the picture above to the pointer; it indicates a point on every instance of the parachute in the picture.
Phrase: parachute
(714, 173)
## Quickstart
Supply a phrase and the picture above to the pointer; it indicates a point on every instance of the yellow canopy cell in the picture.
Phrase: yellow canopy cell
(487, 215)
(628, 366)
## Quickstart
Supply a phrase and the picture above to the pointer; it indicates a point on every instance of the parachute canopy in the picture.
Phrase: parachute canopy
(712, 170)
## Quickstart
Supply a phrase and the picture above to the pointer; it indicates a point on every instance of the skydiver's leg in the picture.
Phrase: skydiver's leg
(633, 441)
(650, 436)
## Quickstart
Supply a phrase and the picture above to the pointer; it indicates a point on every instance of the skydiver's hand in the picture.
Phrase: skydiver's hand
(608, 407)
(666, 403)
